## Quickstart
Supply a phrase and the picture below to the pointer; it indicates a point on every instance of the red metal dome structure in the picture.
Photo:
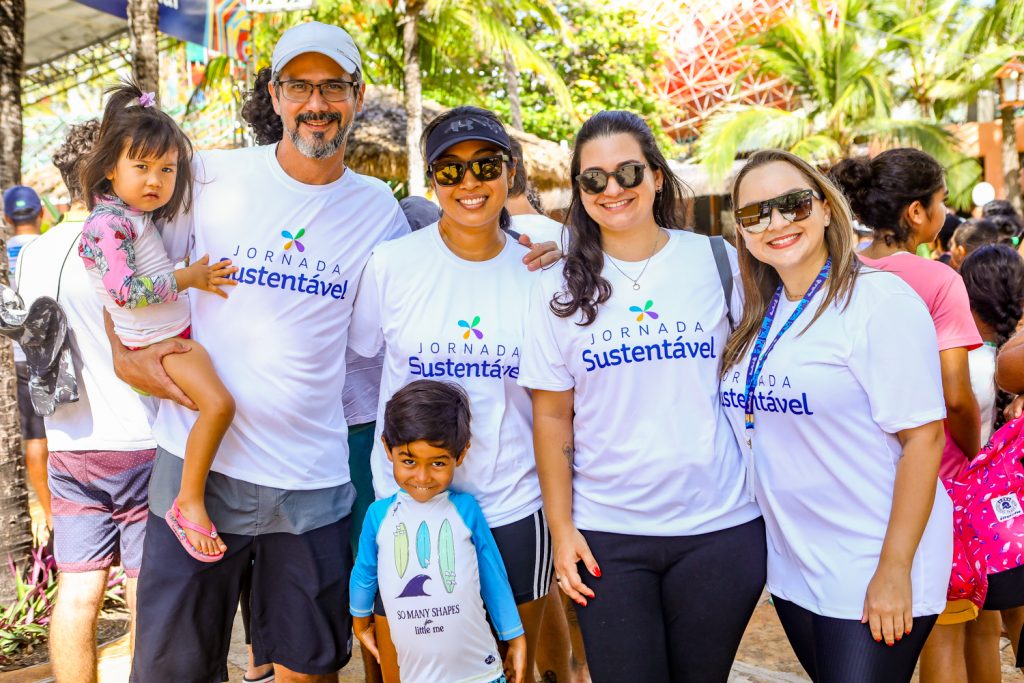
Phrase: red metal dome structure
(704, 61)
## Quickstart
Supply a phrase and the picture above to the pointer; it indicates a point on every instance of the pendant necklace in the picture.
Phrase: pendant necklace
(636, 280)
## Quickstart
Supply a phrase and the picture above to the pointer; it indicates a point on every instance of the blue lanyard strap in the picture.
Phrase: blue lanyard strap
(757, 358)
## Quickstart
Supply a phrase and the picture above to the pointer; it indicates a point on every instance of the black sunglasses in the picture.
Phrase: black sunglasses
(594, 180)
(794, 207)
(448, 173)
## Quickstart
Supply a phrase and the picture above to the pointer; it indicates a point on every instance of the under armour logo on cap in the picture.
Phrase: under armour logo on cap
(467, 127)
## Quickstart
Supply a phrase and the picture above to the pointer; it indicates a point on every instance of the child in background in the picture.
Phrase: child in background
(994, 277)
(428, 551)
(971, 235)
(139, 171)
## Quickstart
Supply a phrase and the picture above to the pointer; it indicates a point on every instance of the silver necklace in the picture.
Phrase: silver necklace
(636, 280)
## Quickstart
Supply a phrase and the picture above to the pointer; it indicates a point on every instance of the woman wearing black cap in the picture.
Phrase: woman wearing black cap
(448, 302)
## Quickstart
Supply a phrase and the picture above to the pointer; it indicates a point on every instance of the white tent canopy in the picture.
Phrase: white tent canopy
(54, 28)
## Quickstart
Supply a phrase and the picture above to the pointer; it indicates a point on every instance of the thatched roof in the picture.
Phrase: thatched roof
(377, 144)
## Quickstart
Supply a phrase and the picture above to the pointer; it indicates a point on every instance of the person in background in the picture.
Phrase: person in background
(95, 518)
(943, 243)
(969, 236)
(23, 213)
(994, 277)
(525, 207)
(901, 194)
(420, 212)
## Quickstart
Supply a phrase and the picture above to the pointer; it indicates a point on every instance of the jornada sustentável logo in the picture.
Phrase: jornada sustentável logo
(645, 311)
(471, 328)
(289, 269)
(294, 239)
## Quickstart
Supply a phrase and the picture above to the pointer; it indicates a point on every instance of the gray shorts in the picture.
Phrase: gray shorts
(240, 507)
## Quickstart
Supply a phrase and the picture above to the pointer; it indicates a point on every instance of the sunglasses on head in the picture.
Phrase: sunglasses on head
(794, 207)
(594, 180)
(448, 173)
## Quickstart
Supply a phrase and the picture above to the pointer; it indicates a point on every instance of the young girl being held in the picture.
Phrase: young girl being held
(140, 171)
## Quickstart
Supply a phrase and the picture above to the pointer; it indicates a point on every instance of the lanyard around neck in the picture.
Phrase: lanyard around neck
(759, 354)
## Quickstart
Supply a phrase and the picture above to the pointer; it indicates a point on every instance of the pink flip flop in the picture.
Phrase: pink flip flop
(178, 524)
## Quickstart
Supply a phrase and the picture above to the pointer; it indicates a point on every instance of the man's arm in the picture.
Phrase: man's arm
(143, 369)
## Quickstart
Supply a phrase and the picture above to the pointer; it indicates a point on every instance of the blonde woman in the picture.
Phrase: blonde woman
(832, 385)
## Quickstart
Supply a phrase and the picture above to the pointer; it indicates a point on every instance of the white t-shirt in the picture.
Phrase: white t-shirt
(278, 342)
(540, 229)
(439, 574)
(14, 246)
(982, 365)
(654, 455)
(441, 317)
(108, 415)
(829, 403)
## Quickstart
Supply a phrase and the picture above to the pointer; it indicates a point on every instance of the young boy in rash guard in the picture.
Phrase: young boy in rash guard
(430, 554)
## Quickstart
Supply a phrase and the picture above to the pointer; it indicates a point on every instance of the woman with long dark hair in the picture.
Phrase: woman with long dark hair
(641, 476)
(832, 383)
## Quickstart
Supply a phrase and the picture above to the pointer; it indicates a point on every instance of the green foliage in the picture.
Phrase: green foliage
(573, 59)
(850, 84)
(606, 63)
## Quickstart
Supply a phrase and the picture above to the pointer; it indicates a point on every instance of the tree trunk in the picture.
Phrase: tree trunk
(1011, 163)
(143, 17)
(413, 97)
(12, 61)
(15, 525)
(515, 106)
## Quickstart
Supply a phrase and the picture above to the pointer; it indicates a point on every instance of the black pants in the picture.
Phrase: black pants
(299, 603)
(671, 609)
(843, 650)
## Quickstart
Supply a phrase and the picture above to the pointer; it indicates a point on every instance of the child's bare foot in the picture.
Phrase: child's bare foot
(195, 512)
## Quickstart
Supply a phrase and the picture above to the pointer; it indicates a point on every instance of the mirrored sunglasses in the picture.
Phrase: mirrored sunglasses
(448, 173)
(594, 181)
(794, 207)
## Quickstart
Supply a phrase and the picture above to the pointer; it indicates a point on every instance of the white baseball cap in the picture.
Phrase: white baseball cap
(324, 39)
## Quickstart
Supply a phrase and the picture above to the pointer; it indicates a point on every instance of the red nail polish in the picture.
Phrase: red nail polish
(597, 571)
(907, 632)
(878, 640)
(890, 644)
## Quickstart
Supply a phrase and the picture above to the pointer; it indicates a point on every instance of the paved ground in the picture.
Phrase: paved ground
(764, 657)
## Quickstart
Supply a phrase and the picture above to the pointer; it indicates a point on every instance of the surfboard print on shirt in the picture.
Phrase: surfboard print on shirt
(446, 555)
(423, 545)
(401, 549)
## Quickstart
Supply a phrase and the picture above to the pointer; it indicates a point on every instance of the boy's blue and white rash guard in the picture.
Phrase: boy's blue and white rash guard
(436, 566)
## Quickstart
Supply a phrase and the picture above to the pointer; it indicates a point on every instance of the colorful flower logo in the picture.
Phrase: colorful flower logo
(293, 239)
(646, 310)
(471, 327)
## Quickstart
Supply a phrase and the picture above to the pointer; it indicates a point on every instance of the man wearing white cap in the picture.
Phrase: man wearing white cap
(300, 226)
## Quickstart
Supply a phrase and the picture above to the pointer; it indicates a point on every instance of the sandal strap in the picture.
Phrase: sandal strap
(186, 524)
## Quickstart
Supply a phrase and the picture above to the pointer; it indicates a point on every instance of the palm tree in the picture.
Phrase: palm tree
(445, 39)
(143, 18)
(843, 77)
(951, 66)
(1002, 26)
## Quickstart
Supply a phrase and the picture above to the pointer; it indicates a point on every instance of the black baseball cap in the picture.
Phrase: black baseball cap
(468, 126)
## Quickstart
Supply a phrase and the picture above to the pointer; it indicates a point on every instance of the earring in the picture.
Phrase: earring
(658, 190)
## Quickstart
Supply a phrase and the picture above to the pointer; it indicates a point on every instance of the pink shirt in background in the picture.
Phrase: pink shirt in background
(945, 295)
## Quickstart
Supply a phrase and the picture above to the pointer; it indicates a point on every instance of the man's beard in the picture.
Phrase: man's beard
(318, 147)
